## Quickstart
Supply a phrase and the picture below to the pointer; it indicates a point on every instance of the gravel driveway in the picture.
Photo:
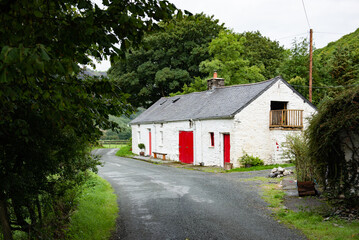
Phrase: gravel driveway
(160, 202)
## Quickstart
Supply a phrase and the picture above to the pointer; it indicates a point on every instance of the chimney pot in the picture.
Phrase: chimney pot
(215, 75)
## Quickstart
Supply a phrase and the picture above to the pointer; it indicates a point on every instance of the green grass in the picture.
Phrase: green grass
(125, 151)
(311, 223)
(256, 168)
(262, 179)
(97, 211)
(107, 146)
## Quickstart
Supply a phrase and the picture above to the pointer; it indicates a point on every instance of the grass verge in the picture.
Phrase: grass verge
(124, 151)
(107, 146)
(257, 168)
(311, 223)
(97, 211)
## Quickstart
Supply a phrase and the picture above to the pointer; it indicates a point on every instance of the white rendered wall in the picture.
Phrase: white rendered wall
(203, 152)
(252, 132)
(170, 142)
(212, 156)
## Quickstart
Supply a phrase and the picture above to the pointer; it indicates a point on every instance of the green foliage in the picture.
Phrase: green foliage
(125, 151)
(311, 223)
(351, 39)
(250, 160)
(332, 131)
(123, 130)
(96, 211)
(141, 146)
(337, 64)
(228, 62)
(197, 86)
(167, 59)
(296, 148)
(261, 51)
(50, 113)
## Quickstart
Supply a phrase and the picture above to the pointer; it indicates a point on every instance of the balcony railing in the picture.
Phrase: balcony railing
(286, 118)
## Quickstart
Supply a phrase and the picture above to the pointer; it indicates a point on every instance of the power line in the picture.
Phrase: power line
(300, 34)
(306, 16)
(339, 86)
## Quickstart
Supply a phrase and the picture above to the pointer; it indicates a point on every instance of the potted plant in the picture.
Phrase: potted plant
(142, 147)
(297, 149)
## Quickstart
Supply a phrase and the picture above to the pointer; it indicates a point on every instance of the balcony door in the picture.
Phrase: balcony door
(279, 117)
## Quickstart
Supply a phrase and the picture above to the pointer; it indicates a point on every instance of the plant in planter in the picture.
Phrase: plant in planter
(250, 161)
(296, 148)
(142, 147)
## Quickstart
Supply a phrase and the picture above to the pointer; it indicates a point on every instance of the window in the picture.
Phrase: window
(161, 136)
(211, 135)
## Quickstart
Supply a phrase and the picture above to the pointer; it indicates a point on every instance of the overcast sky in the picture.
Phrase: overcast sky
(281, 20)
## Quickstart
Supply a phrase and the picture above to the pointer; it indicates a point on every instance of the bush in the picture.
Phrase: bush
(141, 146)
(246, 160)
(333, 139)
(296, 149)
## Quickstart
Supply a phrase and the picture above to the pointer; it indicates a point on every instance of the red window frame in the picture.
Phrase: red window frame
(211, 134)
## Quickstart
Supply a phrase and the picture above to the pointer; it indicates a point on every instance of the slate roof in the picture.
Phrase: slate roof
(223, 102)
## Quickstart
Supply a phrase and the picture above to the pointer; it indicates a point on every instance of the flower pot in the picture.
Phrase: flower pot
(228, 166)
(306, 188)
(142, 153)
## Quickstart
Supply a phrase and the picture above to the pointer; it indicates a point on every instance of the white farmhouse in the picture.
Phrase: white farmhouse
(221, 124)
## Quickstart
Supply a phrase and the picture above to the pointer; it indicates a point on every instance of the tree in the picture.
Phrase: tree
(260, 50)
(49, 114)
(228, 61)
(333, 136)
(344, 65)
(295, 69)
(167, 59)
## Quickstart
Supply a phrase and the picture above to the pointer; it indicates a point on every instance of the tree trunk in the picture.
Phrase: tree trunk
(4, 219)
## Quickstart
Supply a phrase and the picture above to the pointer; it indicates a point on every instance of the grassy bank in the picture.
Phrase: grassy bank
(311, 223)
(97, 211)
(125, 151)
(257, 168)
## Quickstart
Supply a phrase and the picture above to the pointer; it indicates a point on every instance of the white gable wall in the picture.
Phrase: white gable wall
(252, 131)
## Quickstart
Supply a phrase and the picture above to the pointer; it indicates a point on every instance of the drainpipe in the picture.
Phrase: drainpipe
(194, 141)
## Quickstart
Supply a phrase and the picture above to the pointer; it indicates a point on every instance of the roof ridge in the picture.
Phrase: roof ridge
(250, 84)
(237, 85)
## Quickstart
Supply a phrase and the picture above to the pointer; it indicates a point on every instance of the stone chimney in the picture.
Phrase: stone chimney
(215, 82)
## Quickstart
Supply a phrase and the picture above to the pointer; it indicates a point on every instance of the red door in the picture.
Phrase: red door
(150, 142)
(186, 147)
(226, 148)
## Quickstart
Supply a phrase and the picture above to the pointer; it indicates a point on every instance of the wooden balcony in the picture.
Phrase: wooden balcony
(291, 119)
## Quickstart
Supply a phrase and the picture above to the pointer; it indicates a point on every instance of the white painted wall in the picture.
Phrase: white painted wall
(252, 131)
(170, 142)
(212, 156)
(203, 152)
(249, 131)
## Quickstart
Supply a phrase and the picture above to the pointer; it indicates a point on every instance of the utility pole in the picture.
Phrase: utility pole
(310, 63)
